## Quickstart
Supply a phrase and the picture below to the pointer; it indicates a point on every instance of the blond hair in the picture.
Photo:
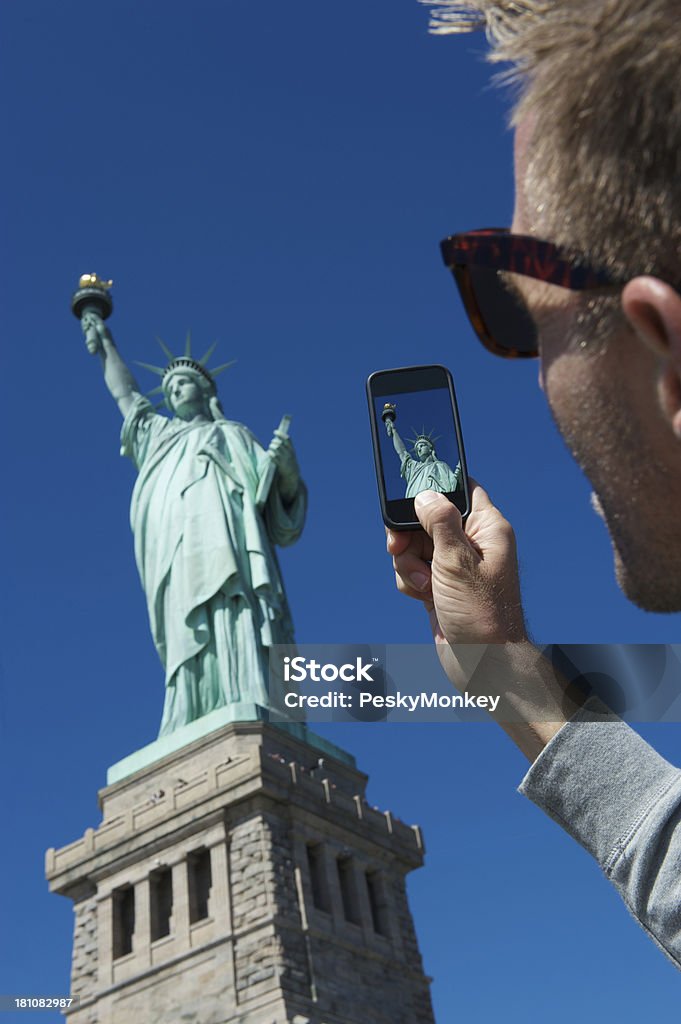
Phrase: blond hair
(601, 80)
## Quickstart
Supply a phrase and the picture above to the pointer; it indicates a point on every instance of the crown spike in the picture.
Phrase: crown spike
(155, 391)
(165, 348)
(220, 369)
(206, 356)
(185, 362)
(159, 370)
(188, 346)
(429, 436)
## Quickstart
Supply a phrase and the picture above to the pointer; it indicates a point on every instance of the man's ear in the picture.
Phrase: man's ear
(653, 310)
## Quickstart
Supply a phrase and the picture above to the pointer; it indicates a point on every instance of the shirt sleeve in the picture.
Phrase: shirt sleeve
(610, 790)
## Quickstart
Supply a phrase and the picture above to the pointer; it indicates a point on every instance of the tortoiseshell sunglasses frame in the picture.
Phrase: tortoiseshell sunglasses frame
(498, 249)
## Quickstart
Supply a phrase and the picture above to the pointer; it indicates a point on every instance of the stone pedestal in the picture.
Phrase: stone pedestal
(239, 881)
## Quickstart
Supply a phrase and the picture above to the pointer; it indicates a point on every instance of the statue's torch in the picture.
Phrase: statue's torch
(389, 414)
(92, 296)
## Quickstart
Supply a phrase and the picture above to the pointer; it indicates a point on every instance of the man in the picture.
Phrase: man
(587, 280)
(208, 507)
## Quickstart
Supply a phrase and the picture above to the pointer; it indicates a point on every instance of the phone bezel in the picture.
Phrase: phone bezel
(399, 513)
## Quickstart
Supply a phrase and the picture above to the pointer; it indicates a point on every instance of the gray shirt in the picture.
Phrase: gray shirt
(605, 786)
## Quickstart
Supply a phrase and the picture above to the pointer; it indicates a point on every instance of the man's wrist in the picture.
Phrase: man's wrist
(535, 700)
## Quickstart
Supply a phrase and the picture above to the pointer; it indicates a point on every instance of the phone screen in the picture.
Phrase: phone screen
(417, 440)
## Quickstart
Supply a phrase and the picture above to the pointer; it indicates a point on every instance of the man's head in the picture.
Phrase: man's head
(598, 171)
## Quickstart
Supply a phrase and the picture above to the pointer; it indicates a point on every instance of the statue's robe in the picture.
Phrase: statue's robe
(206, 558)
(433, 475)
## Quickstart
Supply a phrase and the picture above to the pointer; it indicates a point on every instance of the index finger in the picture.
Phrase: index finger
(396, 541)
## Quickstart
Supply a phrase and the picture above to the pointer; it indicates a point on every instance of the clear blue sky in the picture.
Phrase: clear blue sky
(277, 176)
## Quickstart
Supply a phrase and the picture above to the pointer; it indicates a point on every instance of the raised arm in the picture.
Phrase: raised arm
(117, 377)
(591, 773)
(397, 440)
(468, 582)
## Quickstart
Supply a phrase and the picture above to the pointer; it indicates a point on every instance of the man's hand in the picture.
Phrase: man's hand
(468, 582)
(468, 579)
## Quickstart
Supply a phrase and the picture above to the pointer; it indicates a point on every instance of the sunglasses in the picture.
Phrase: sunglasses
(494, 307)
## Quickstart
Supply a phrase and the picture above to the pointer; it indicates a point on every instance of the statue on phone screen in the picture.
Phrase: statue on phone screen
(208, 507)
(422, 470)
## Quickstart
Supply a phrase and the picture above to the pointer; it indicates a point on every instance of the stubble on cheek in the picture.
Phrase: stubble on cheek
(597, 414)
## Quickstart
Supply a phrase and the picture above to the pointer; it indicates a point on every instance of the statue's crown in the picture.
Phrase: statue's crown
(430, 437)
(185, 362)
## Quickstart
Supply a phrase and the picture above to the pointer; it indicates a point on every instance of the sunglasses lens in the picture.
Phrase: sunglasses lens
(509, 327)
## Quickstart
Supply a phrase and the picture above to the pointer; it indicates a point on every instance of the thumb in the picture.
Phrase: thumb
(480, 499)
(439, 518)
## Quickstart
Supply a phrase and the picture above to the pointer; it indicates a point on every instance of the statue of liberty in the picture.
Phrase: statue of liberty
(208, 507)
(424, 472)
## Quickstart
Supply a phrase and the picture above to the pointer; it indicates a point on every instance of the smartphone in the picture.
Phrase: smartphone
(417, 441)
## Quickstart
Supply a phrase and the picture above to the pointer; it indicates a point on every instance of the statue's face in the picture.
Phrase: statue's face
(185, 396)
(424, 450)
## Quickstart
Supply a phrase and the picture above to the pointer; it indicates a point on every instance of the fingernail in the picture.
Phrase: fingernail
(425, 498)
(419, 580)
